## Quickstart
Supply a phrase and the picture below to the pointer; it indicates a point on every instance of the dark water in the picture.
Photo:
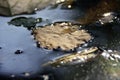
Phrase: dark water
(30, 61)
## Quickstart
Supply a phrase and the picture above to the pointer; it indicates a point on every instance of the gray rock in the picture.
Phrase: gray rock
(13, 7)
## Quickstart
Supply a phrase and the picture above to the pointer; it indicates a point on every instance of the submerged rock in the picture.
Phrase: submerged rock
(18, 52)
(25, 22)
(65, 36)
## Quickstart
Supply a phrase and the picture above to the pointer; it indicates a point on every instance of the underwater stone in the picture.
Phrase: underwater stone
(27, 22)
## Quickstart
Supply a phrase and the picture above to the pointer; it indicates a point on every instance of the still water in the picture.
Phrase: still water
(28, 64)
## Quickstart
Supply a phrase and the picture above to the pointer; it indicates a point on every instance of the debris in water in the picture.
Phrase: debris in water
(18, 52)
(64, 36)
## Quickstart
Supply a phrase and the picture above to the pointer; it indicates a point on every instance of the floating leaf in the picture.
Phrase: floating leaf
(65, 36)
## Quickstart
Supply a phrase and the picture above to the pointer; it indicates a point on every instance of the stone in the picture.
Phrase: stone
(13, 7)
(18, 52)
(97, 11)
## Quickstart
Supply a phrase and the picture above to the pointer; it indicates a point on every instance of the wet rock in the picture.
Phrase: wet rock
(109, 17)
(97, 11)
(29, 22)
(18, 52)
(106, 69)
(65, 36)
(75, 58)
(13, 7)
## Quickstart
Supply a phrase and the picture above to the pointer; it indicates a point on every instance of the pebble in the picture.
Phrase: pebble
(18, 52)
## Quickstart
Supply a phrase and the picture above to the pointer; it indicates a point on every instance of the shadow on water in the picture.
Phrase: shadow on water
(29, 62)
